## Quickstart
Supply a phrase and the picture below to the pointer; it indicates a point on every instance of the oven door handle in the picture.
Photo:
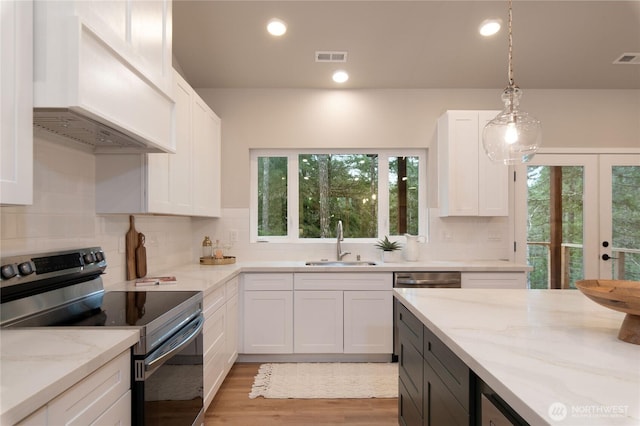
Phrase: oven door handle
(175, 344)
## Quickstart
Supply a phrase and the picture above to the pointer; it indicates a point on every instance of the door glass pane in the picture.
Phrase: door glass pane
(555, 225)
(404, 190)
(625, 213)
(272, 196)
(335, 187)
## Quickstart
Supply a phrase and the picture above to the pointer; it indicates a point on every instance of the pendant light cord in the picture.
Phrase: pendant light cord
(510, 71)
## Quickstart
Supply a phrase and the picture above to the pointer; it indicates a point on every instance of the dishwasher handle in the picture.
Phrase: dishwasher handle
(426, 282)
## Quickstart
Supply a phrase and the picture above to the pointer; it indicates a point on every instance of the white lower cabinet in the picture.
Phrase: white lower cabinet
(503, 280)
(368, 322)
(346, 312)
(267, 306)
(231, 339)
(318, 319)
(103, 397)
(317, 313)
(220, 341)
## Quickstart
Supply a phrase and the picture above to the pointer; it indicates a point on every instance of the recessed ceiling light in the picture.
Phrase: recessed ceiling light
(489, 27)
(276, 27)
(340, 76)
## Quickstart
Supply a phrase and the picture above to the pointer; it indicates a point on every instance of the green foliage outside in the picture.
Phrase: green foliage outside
(626, 219)
(272, 196)
(338, 187)
(412, 185)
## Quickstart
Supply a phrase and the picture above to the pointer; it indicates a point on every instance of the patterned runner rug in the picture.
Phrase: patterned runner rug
(326, 380)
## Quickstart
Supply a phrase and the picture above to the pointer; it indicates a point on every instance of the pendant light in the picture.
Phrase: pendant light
(513, 136)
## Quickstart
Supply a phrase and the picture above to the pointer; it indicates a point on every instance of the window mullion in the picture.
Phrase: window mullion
(293, 192)
(383, 195)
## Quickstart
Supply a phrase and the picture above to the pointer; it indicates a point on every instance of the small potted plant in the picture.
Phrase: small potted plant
(387, 245)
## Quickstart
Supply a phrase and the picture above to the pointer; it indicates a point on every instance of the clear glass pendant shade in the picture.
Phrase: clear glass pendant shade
(513, 136)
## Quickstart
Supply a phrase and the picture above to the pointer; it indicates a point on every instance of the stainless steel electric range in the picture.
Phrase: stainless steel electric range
(65, 288)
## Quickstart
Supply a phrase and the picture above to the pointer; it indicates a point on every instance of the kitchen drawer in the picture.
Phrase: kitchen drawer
(452, 370)
(87, 400)
(213, 301)
(231, 287)
(441, 406)
(408, 413)
(410, 367)
(412, 327)
(267, 282)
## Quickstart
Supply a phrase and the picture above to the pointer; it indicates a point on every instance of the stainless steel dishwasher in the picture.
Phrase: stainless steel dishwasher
(436, 279)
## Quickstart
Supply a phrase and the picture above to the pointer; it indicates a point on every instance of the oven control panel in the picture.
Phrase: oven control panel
(26, 268)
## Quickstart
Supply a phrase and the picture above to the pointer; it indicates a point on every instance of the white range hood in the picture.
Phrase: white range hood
(102, 76)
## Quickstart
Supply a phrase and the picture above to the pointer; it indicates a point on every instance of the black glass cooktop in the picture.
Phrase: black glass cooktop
(116, 309)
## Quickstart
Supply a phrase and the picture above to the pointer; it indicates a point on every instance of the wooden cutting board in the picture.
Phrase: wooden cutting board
(141, 257)
(131, 243)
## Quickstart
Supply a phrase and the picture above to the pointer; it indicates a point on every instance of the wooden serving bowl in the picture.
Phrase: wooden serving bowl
(619, 295)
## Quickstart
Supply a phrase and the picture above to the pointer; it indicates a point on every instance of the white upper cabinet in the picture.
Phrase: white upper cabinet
(103, 73)
(207, 142)
(469, 183)
(16, 106)
(184, 183)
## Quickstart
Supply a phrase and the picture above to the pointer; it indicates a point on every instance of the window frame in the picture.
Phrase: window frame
(293, 216)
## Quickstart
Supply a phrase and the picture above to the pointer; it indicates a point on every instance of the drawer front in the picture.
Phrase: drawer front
(231, 287)
(213, 301)
(343, 281)
(85, 402)
(408, 413)
(267, 281)
(441, 406)
(452, 370)
(410, 365)
(411, 325)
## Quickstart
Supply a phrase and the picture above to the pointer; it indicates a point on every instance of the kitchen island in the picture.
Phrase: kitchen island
(36, 365)
(552, 355)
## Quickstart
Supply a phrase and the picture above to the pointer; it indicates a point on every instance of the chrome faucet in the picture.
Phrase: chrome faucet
(340, 237)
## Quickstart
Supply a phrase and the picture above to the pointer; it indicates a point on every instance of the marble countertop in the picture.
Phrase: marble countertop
(36, 365)
(553, 355)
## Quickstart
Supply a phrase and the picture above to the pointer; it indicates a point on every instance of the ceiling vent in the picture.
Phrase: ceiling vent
(328, 56)
(628, 58)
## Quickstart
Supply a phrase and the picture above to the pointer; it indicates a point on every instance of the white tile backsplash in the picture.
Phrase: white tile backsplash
(63, 216)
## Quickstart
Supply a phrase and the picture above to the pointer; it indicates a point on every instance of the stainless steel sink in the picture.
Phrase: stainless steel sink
(339, 263)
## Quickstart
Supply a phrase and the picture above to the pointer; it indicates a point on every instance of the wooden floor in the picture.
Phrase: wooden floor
(232, 406)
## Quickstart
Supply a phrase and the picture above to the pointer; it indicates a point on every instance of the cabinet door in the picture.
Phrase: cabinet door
(458, 150)
(170, 175)
(440, 406)
(469, 183)
(231, 335)
(87, 400)
(368, 322)
(318, 319)
(206, 160)
(493, 178)
(214, 353)
(268, 322)
(16, 104)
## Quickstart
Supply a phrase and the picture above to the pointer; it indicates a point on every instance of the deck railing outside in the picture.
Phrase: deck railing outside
(571, 263)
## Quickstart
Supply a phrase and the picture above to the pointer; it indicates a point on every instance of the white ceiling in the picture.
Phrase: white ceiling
(407, 44)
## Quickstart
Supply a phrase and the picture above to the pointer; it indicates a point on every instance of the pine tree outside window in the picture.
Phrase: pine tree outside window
(300, 196)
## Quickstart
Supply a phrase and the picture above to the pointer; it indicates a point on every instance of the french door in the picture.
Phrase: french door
(578, 217)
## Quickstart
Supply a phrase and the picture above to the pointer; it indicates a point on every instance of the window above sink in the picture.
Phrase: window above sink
(299, 196)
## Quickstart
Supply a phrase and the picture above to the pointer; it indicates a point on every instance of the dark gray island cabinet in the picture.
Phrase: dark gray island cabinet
(436, 388)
